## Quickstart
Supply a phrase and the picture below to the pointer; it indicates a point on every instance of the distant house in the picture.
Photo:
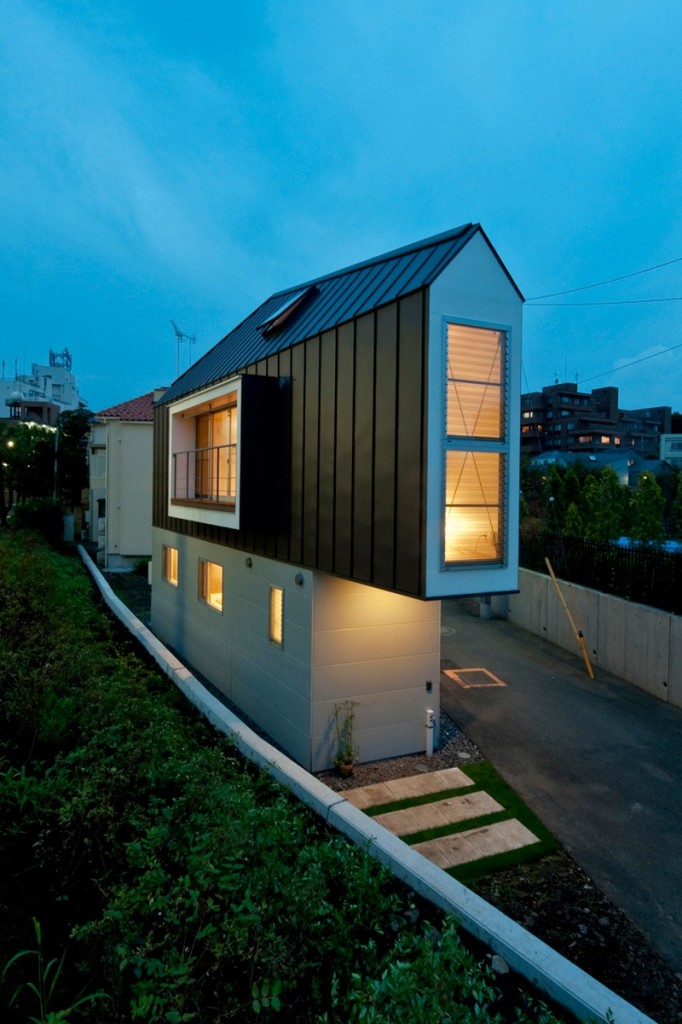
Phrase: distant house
(561, 418)
(627, 464)
(340, 461)
(120, 485)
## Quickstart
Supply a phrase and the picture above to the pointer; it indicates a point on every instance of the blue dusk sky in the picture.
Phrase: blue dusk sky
(177, 161)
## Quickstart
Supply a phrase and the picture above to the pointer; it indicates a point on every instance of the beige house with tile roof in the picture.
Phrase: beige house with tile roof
(120, 469)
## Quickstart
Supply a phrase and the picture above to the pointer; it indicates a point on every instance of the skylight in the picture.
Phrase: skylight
(281, 314)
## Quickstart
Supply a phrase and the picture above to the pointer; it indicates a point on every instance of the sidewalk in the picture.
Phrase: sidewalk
(600, 762)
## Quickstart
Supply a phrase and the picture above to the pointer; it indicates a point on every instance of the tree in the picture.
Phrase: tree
(647, 510)
(574, 525)
(604, 500)
(72, 454)
(677, 506)
(28, 462)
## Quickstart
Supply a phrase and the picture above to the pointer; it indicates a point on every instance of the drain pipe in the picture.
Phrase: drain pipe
(430, 731)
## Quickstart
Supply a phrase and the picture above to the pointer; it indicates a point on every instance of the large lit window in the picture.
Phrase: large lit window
(211, 584)
(473, 504)
(205, 428)
(475, 444)
(216, 464)
(276, 615)
(169, 564)
(476, 370)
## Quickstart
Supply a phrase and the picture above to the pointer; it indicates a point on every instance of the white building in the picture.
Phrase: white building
(671, 449)
(40, 396)
(120, 470)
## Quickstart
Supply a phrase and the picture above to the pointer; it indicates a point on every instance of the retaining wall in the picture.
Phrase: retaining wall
(632, 641)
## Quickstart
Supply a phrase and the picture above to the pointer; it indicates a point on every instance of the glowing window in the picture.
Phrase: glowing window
(475, 393)
(473, 506)
(475, 444)
(169, 564)
(211, 584)
(216, 462)
(276, 615)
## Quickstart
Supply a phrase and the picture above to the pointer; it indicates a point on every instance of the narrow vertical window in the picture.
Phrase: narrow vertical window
(211, 584)
(276, 615)
(475, 444)
(216, 463)
(473, 503)
(169, 564)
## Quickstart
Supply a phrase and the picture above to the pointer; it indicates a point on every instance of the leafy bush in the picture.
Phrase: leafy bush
(191, 886)
(43, 515)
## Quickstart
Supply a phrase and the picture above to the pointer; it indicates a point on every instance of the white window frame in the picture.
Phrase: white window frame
(182, 438)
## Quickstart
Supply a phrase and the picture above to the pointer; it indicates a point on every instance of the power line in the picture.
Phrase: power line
(632, 362)
(614, 302)
(611, 280)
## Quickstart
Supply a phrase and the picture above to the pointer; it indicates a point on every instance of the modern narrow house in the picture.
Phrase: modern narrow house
(344, 458)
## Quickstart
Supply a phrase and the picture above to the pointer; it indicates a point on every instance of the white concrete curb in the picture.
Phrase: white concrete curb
(559, 979)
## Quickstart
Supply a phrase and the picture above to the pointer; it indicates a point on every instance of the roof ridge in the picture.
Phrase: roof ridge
(424, 243)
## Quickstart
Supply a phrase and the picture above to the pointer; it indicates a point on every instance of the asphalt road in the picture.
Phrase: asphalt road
(599, 762)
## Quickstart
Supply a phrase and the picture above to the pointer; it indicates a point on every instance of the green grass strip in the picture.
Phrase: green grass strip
(419, 801)
(472, 870)
(438, 831)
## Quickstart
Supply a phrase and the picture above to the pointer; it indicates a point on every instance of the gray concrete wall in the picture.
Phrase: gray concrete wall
(632, 641)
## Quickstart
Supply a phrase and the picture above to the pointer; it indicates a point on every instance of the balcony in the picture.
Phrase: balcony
(205, 476)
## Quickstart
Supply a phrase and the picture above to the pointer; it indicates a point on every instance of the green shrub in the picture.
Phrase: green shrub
(193, 887)
(40, 515)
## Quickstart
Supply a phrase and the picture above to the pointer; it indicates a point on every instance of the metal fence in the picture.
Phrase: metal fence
(644, 574)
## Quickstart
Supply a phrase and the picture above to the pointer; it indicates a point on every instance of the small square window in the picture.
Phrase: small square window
(211, 584)
(169, 564)
(276, 615)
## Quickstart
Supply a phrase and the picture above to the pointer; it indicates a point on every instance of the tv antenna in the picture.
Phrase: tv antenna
(189, 338)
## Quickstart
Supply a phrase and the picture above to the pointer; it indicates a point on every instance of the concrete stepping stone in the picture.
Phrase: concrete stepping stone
(403, 789)
(476, 843)
(439, 813)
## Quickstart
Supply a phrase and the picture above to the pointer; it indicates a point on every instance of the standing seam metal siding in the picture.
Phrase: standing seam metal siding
(357, 452)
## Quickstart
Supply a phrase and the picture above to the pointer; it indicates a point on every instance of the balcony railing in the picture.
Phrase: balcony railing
(206, 475)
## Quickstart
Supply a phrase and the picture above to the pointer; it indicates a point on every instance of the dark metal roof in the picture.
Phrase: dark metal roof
(329, 301)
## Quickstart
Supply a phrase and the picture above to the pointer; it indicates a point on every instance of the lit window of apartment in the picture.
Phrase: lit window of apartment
(211, 584)
(277, 615)
(475, 444)
(605, 439)
(169, 564)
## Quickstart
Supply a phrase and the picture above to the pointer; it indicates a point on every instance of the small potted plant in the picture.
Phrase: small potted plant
(347, 752)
